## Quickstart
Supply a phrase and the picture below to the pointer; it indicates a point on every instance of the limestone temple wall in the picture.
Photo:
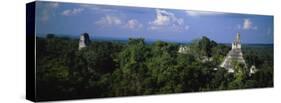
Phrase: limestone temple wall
(235, 54)
(84, 41)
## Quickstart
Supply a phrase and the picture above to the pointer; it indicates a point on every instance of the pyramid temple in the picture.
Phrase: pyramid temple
(235, 54)
(84, 40)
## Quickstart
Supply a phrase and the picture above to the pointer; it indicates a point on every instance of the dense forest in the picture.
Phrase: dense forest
(109, 69)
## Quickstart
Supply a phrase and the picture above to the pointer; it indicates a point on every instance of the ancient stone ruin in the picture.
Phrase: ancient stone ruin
(84, 41)
(235, 54)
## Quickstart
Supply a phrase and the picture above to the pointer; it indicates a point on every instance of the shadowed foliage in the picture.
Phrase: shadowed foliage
(109, 69)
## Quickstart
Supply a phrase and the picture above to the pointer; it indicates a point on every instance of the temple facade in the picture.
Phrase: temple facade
(84, 41)
(235, 54)
(183, 49)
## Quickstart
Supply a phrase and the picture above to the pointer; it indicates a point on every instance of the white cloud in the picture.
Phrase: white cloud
(133, 24)
(86, 5)
(97, 8)
(53, 5)
(166, 19)
(70, 12)
(162, 18)
(202, 13)
(248, 24)
(109, 21)
(115, 21)
(47, 11)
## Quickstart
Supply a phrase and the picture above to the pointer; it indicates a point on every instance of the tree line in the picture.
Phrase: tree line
(109, 69)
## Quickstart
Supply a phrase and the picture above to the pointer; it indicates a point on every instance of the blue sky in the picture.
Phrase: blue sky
(120, 22)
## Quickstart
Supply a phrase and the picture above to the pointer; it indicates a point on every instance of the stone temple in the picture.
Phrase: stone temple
(235, 54)
(84, 40)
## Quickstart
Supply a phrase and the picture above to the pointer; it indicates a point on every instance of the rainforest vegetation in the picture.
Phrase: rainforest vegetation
(111, 68)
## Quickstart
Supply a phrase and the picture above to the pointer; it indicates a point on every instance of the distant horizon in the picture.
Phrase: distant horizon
(171, 25)
(100, 38)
